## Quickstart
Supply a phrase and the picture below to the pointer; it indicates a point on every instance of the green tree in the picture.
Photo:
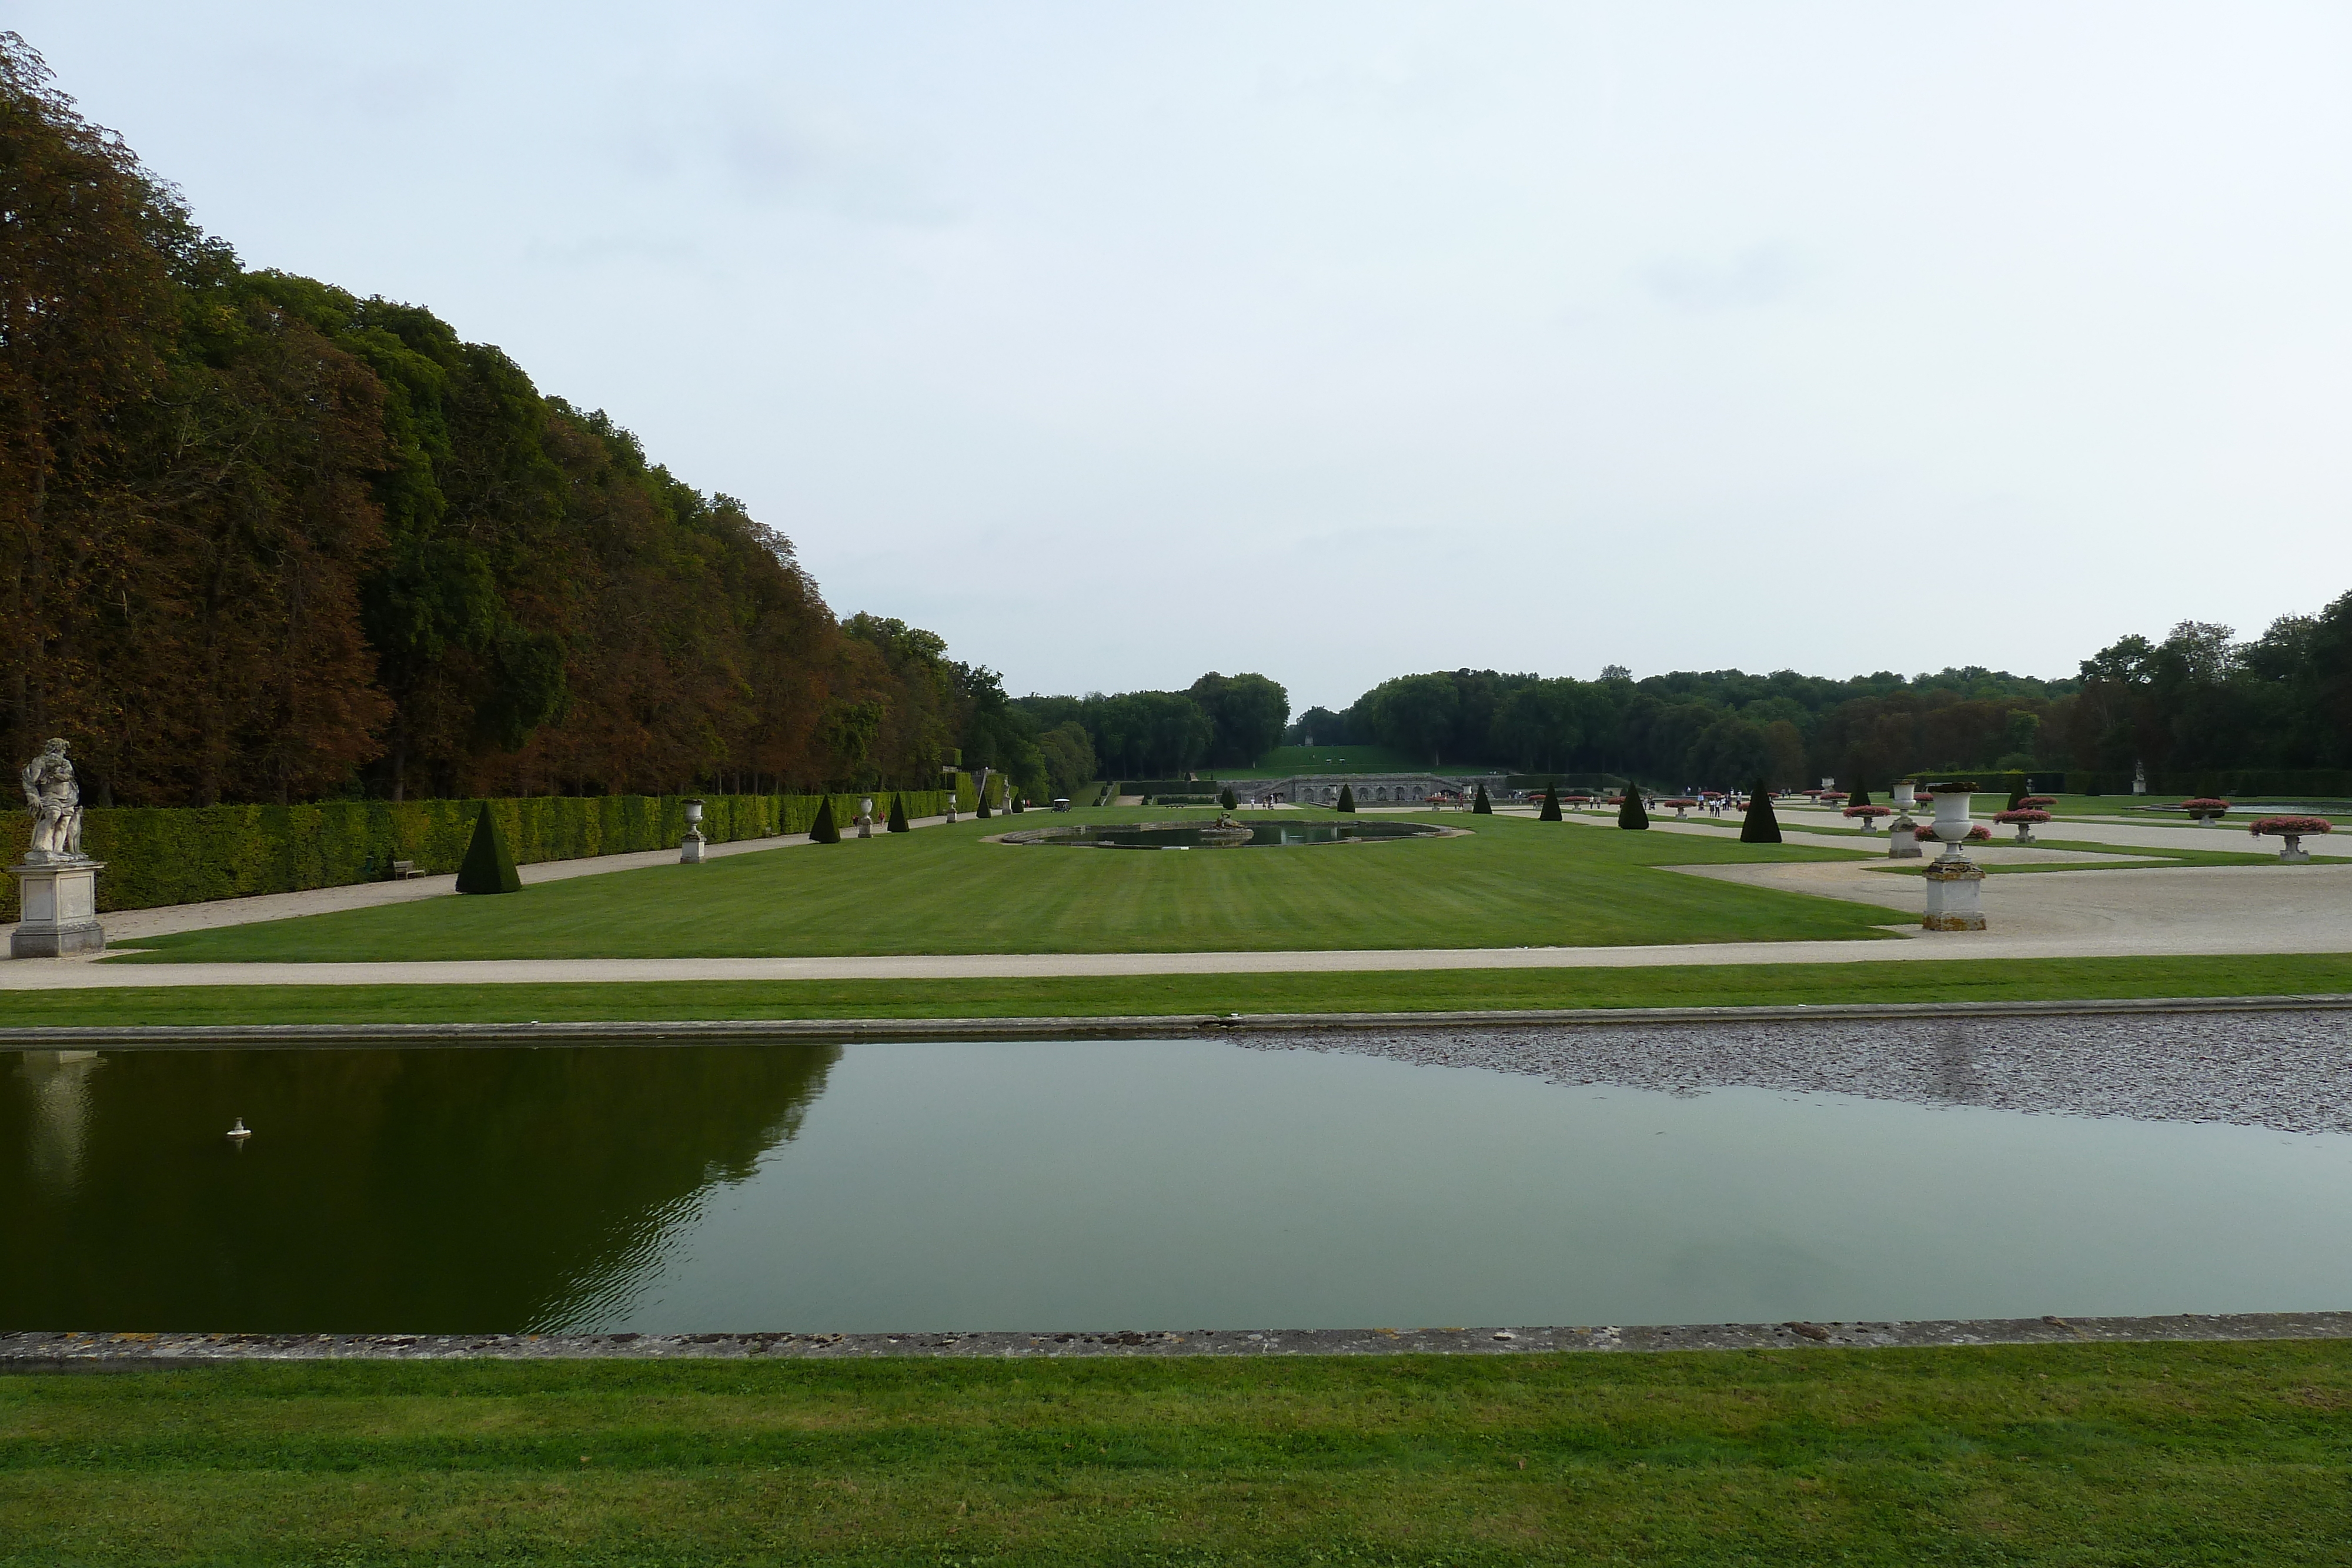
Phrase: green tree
(1246, 715)
(1347, 798)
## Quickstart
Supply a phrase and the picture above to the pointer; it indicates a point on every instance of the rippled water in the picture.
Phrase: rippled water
(1096, 1184)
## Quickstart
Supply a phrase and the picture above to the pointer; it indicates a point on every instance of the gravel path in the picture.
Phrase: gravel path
(2288, 1071)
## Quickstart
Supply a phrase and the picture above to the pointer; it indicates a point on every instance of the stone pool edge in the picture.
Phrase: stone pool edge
(1121, 1027)
(72, 1351)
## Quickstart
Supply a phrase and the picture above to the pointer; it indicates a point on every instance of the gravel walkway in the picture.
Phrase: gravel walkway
(2290, 1070)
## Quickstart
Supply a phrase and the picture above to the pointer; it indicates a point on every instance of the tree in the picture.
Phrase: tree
(899, 823)
(1481, 804)
(487, 867)
(1761, 826)
(822, 830)
(1070, 755)
(1347, 798)
(1631, 813)
(1227, 798)
(1551, 812)
(1246, 715)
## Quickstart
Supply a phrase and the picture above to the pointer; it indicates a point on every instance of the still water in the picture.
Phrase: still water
(1093, 1185)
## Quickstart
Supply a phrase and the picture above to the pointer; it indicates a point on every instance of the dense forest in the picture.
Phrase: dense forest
(261, 539)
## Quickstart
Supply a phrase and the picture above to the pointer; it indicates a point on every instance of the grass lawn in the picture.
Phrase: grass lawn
(2063, 1454)
(1422, 990)
(1510, 883)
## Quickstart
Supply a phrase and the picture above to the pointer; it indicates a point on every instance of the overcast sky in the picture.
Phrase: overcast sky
(1120, 343)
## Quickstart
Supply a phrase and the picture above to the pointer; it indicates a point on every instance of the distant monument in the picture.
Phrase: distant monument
(57, 883)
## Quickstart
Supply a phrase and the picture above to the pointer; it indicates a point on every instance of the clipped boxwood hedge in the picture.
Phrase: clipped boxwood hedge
(160, 855)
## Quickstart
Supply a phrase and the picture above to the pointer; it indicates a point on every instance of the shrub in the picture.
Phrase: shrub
(1860, 798)
(1227, 798)
(489, 868)
(899, 823)
(1630, 813)
(822, 830)
(1551, 812)
(1762, 825)
(1481, 803)
(1347, 798)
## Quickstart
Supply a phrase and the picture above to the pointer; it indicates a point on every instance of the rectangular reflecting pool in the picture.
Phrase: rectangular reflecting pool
(1093, 1184)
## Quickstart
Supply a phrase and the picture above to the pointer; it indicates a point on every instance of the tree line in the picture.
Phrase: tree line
(2195, 699)
(262, 539)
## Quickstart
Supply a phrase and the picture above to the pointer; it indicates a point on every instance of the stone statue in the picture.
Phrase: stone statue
(54, 800)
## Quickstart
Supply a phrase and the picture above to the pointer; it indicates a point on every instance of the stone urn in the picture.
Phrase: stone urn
(1906, 795)
(1951, 819)
(689, 848)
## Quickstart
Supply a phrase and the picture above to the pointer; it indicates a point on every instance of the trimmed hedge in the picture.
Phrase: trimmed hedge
(160, 855)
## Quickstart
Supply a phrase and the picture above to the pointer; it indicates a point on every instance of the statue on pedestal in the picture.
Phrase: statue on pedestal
(54, 800)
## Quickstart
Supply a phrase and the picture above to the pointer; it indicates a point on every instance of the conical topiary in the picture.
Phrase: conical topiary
(1861, 797)
(1347, 798)
(1761, 827)
(1227, 798)
(1481, 803)
(822, 830)
(982, 810)
(2016, 795)
(899, 823)
(487, 867)
(1630, 813)
(1551, 812)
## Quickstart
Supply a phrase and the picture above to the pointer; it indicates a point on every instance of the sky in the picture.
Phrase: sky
(1120, 343)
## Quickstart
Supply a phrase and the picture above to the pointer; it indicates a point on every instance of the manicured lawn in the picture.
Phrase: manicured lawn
(1425, 990)
(2067, 1454)
(1511, 882)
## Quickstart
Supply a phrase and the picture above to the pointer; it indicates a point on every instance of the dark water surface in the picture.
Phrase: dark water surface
(1094, 1185)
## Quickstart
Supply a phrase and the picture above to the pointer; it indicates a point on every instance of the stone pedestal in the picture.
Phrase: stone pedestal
(865, 827)
(689, 848)
(60, 899)
(1953, 883)
(2292, 852)
(1902, 843)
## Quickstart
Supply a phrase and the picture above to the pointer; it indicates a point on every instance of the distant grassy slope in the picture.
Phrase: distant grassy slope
(1511, 882)
(2084, 1455)
(1422, 990)
(1285, 760)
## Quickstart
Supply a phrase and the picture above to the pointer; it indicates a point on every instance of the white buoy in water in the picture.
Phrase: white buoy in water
(240, 1132)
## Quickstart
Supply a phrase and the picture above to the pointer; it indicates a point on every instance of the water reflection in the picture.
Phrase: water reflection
(58, 1098)
(383, 1190)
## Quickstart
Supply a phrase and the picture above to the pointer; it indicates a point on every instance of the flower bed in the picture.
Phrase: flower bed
(2289, 827)
(2035, 802)
(2023, 814)
(1926, 833)
(1868, 811)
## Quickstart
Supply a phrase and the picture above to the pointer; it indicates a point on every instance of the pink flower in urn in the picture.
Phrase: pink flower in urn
(1926, 833)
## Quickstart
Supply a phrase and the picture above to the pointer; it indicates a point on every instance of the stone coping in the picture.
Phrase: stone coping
(61, 1352)
(1173, 1026)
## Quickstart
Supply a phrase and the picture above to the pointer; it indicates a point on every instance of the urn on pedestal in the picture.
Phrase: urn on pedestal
(1953, 880)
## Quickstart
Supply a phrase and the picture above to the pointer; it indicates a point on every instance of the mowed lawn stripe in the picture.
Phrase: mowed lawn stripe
(1509, 883)
(2077, 1454)
(1696, 985)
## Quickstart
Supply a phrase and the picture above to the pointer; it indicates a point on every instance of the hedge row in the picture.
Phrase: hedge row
(160, 855)
(1166, 785)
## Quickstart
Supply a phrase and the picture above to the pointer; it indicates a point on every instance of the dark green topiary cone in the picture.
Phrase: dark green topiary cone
(1227, 798)
(487, 867)
(822, 830)
(899, 823)
(1860, 798)
(1631, 814)
(1347, 798)
(1551, 812)
(1481, 803)
(1762, 826)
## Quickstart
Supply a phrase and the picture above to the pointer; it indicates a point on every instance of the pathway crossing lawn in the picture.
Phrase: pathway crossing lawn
(1511, 882)
(2084, 1454)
